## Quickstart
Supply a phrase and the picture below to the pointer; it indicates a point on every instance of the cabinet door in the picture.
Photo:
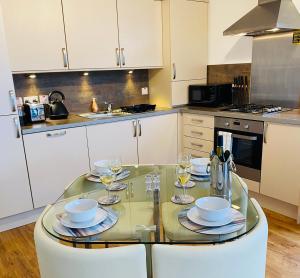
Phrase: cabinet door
(35, 34)
(114, 139)
(15, 196)
(157, 141)
(7, 95)
(188, 39)
(92, 33)
(140, 33)
(280, 166)
(54, 160)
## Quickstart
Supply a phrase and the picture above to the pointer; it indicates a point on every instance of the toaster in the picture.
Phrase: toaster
(34, 112)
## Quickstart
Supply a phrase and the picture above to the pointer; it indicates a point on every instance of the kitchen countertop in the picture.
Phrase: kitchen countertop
(75, 120)
(289, 117)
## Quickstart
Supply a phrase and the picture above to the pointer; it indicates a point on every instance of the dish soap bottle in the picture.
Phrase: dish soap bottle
(94, 106)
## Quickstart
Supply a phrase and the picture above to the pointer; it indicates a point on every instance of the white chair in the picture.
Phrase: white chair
(60, 261)
(241, 258)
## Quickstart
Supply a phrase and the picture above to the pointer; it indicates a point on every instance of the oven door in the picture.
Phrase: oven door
(247, 153)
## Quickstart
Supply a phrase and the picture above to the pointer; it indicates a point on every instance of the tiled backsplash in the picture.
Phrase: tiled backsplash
(117, 87)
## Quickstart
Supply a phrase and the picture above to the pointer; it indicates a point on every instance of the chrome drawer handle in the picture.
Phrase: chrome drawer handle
(174, 71)
(197, 120)
(140, 128)
(65, 57)
(56, 134)
(123, 57)
(118, 56)
(12, 96)
(197, 145)
(197, 132)
(134, 128)
(17, 125)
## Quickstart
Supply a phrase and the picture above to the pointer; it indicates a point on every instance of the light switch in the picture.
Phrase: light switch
(145, 91)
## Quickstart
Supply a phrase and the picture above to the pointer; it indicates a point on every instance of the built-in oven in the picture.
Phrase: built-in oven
(247, 143)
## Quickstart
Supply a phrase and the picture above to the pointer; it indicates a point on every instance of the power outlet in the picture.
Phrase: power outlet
(145, 91)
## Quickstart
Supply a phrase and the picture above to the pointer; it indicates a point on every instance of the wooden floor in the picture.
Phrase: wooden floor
(18, 259)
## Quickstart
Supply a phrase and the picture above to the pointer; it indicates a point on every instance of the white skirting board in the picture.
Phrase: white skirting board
(276, 205)
(19, 220)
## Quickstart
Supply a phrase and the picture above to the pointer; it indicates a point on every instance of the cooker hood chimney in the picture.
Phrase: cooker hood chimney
(270, 16)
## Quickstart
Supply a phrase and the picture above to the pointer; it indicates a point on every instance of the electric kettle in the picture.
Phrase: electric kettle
(57, 108)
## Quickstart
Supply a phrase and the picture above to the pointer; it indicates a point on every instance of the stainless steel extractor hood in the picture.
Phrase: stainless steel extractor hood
(270, 16)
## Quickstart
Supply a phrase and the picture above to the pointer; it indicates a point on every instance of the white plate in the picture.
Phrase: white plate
(65, 220)
(199, 174)
(194, 215)
(190, 184)
(96, 174)
(96, 178)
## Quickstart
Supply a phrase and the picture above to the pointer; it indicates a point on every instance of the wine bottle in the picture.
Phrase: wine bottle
(220, 149)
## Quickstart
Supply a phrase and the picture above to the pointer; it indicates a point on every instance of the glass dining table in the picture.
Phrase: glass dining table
(146, 213)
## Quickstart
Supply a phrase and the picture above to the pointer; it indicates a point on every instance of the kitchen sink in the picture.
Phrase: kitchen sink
(103, 115)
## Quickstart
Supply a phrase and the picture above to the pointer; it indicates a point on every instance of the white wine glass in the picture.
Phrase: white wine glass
(184, 161)
(107, 179)
(115, 166)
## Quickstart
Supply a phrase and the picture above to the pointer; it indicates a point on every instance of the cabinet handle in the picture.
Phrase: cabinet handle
(265, 132)
(197, 132)
(123, 57)
(65, 57)
(174, 71)
(197, 120)
(134, 128)
(12, 97)
(197, 145)
(16, 122)
(56, 134)
(140, 128)
(118, 56)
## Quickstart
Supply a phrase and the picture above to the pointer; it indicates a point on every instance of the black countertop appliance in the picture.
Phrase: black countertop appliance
(57, 108)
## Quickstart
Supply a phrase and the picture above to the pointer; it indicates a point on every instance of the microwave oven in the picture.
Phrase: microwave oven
(211, 95)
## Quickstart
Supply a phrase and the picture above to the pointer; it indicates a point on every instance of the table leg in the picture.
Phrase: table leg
(149, 260)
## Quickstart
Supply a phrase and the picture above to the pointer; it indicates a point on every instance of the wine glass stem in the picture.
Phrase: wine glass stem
(184, 190)
(108, 192)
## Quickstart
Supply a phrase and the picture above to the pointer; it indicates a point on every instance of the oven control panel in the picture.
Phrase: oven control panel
(239, 125)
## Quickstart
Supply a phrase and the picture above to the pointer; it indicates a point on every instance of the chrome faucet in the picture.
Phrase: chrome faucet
(109, 107)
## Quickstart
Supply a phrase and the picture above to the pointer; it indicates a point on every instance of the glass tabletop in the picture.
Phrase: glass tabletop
(148, 216)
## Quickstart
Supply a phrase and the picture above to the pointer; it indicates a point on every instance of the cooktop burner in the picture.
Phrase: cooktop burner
(256, 108)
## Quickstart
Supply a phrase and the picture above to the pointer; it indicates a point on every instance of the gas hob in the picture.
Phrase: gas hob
(256, 108)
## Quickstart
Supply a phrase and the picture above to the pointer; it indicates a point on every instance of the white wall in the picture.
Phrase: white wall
(229, 49)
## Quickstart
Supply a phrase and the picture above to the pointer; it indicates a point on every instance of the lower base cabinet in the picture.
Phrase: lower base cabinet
(55, 159)
(280, 178)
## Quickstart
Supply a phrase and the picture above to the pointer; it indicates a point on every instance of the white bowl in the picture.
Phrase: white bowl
(81, 210)
(101, 166)
(200, 164)
(213, 208)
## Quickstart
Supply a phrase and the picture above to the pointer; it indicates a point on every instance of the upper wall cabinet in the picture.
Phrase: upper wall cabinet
(188, 39)
(140, 33)
(35, 34)
(92, 33)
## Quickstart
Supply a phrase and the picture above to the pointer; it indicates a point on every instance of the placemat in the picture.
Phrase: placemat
(109, 222)
(238, 223)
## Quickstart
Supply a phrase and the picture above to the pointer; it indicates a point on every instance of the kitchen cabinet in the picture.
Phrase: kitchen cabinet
(140, 33)
(92, 33)
(198, 134)
(35, 35)
(189, 26)
(157, 139)
(7, 93)
(15, 194)
(151, 140)
(113, 33)
(185, 51)
(55, 159)
(280, 174)
(106, 141)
